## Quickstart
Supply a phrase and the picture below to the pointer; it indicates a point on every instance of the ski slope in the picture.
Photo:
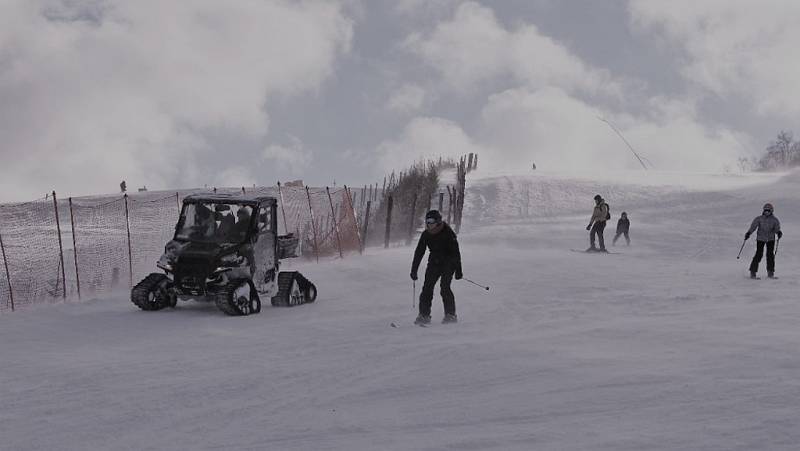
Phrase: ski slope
(665, 346)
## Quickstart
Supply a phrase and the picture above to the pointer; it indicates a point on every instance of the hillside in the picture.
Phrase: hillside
(664, 346)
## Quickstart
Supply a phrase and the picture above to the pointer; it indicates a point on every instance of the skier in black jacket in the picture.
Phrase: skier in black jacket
(623, 227)
(444, 261)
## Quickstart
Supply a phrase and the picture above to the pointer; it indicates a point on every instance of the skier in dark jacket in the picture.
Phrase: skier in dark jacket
(623, 226)
(768, 226)
(444, 261)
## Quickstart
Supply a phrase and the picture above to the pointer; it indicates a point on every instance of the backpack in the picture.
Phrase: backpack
(608, 211)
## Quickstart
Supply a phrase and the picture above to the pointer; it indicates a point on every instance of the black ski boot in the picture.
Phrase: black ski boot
(422, 320)
(771, 275)
(753, 275)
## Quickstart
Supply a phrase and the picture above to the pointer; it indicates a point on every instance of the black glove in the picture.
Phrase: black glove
(747, 236)
(780, 234)
(459, 275)
(414, 275)
(589, 227)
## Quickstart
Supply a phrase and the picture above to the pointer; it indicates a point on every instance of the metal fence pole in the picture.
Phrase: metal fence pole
(130, 251)
(313, 225)
(60, 248)
(335, 223)
(8, 275)
(74, 249)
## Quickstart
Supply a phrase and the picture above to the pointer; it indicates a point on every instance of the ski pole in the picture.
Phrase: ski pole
(414, 295)
(776, 248)
(477, 284)
(740, 249)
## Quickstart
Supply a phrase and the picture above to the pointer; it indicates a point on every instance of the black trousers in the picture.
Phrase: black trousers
(616, 237)
(432, 274)
(597, 229)
(760, 253)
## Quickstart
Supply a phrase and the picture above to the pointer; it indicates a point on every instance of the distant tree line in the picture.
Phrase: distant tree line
(782, 153)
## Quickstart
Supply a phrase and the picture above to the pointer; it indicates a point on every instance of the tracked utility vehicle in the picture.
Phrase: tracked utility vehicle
(226, 250)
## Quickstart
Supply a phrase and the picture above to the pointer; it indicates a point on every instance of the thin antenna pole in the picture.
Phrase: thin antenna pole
(625, 140)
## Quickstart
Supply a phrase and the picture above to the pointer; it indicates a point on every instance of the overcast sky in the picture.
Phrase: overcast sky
(174, 94)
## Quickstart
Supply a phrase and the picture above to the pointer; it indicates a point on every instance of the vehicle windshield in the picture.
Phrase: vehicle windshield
(211, 222)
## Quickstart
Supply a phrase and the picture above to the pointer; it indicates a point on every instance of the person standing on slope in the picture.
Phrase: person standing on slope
(444, 262)
(623, 226)
(768, 226)
(597, 224)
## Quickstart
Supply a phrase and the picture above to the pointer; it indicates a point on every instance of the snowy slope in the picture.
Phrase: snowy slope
(665, 346)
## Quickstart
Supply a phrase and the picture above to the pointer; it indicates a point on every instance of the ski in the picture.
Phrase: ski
(593, 252)
(397, 324)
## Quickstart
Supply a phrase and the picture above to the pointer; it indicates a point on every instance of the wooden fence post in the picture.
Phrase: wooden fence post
(283, 210)
(413, 220)
(8, 275)
(75, 249)
(130, 251)
(449, 204)
(355, 219)
(60, 247)
(335, 224)
(389, 204)
(441, 202)
(366, 227)
(313, 225)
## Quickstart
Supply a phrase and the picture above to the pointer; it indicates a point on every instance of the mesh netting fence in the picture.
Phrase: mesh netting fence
(111, 242)
(31, 253)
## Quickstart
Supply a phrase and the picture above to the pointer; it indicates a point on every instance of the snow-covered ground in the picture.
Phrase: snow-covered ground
(664, 346)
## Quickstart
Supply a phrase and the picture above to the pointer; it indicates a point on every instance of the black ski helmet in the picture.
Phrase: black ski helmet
(433, 214)
(768, 206)
(598, 197)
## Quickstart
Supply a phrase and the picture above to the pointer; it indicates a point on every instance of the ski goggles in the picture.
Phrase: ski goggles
(431, 221)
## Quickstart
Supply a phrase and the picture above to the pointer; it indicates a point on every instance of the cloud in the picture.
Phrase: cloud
(293, 158)
(407, 98)
(733, 48)
(116, 89)
(544, 102)
(424, 138)
(473, 47)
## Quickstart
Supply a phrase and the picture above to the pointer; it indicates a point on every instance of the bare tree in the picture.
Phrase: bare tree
(781, 153)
